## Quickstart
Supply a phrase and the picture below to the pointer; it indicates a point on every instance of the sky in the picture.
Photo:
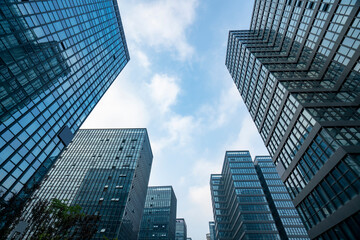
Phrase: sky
(177, 86)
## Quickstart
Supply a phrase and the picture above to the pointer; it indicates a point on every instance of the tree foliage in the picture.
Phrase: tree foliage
(56, 220)
(10, 213)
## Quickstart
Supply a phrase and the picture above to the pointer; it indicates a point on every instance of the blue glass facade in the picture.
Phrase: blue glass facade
(212, 230)
(286, 217)
(159, 217)
(298, 72)
(106, 172)
(240, 208)
(181, 229)
(57, 59)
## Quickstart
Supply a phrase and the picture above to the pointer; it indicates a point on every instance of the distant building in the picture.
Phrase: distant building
(238, 200)
(189, 238)
(181, 229)
(208, 236)
(159, 217)
(57, 59)
(212, 230)
(245, 207)
(106, 172)
(297, 70)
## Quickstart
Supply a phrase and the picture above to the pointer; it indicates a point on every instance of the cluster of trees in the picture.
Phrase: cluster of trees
(55, 220)
(10, 213)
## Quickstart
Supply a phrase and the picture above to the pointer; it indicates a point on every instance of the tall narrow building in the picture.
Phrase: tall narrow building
(298, 72)
(212, 230)
(250, 201)
(286, 218)
(106, 172)
(181, 229)
(57, 59)
(239, 205)
(159, 217)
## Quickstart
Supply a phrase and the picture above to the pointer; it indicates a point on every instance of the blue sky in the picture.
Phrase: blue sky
(177, 86)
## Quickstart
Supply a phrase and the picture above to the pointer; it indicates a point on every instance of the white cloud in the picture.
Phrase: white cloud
(141, 58)
(200, 196)
(249, 138)
(181, 128)
(204, 167)
(229, 104)
(178, 131)
(119, 107)
(163, 91)
(160, 24)
(222, 110)
(200, 213)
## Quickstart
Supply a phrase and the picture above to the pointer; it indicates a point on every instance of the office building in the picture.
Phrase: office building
(181, 230)
(106, 172)
(286, 218)
(250, 201)
(57, 59)
(240, 208)
(159, 217)
(297, 70)
(212, 230)
(208, 236)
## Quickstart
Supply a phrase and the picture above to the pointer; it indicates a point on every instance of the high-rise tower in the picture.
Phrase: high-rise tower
(106, 172)
(298, 72)
(212, 230)
(57, 59)
(181, 229)
(240, 208)
(286, 218)
(250, 201)
(159, 218)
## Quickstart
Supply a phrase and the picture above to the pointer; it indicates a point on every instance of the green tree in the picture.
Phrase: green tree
(56, 220)
(10, 211)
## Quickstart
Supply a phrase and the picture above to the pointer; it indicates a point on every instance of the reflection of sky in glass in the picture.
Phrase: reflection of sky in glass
(104, 172)
(70, 54)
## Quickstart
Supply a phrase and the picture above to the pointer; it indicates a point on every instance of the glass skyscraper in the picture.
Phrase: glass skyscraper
(208, 236)
(159, 217)
(286, 218)
(212, 230)
(298, 72)
(181, 229)
(250, 201)
(57, 59)
(239, 205)
(106, 172)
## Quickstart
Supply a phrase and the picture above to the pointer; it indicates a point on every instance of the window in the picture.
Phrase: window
(310, 5)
